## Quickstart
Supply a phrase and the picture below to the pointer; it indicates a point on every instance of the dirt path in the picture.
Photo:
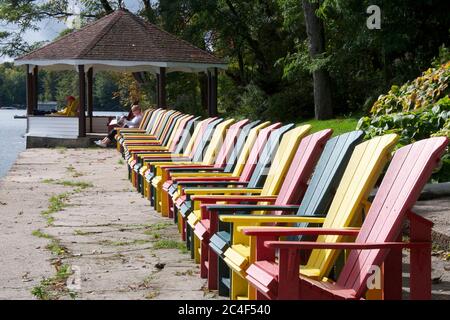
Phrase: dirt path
(76, 208)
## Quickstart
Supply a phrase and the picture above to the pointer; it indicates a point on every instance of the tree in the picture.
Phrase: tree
(322, 87)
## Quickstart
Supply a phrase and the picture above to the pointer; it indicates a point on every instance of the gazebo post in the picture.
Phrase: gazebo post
(158, 102)
(82, 98)
(162, 103)
(29, 90)
(35, 87)
(212, 92)
(90, 105)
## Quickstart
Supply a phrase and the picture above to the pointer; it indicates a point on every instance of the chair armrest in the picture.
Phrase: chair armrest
(222, 183)
(246, 198)
(174, 167)
(244, 207)
(306, 245)
(202, 168)
(293, 231)
(271, 219)
(202, 181)
(191, 191)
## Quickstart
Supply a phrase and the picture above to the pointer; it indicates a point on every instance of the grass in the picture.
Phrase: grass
(40, 234)
(339, 126)
(170, 244)
(52, 288)
(73, 172)
(123, 243)
(156, 226)
(68, 183)
(55, 247)
(56, 203)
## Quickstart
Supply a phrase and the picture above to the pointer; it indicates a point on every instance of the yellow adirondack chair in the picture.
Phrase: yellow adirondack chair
(68, 111)
(346, 210)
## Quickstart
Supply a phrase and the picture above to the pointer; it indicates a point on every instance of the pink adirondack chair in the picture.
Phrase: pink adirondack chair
(378, 243)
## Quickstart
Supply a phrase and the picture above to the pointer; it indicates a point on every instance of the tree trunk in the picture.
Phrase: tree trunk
(321, 79)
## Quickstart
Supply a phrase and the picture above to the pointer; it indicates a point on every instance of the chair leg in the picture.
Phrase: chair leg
(420, 263)
(223, 272)
(392, 276)
(212, 269)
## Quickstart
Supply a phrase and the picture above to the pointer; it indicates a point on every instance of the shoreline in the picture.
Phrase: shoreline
(75, 207)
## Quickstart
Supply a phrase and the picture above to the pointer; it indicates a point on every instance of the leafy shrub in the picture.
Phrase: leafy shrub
(411, 125)
(416, 110)
(421, 93)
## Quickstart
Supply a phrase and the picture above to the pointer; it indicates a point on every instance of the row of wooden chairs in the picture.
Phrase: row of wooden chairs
(273, 211)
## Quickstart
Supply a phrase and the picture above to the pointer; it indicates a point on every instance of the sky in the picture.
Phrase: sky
(50, 28)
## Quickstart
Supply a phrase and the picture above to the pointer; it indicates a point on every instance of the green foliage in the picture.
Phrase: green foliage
(421, 93)
(264, 43)
(410, 125)
(415, 125)
(12, 85)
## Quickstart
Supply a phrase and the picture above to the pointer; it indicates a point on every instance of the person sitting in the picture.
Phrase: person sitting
(124, 123)
(70, 110)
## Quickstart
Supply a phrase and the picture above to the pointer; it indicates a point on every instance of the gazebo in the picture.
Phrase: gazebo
(120, 41)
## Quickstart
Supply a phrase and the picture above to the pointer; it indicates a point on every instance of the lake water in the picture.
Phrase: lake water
(12, 140)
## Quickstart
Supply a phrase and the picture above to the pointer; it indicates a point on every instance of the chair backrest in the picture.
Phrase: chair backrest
(178, 132)
(145, 118)
(203, 140)
(262, 167)
(163, 123)
(283, 159)
(181, 144)
(152, 119)
(328, 174)
(214, 145)
(229, 143)
(295, 180)
(256, 151)
(362, 172)
(196, 137)
(165, 135)
(302, 166)
(239, 145)
(410, 169)
(157, 121)
(247, 148)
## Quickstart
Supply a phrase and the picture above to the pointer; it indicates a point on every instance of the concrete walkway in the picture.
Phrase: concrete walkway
(116, 246)
(75, 208)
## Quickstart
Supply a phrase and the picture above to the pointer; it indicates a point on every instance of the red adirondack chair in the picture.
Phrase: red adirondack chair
(378, 243)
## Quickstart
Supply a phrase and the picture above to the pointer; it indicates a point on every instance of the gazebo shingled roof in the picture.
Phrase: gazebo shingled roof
(122, 41)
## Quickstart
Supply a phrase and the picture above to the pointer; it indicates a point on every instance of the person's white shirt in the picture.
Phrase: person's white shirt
(133, 123)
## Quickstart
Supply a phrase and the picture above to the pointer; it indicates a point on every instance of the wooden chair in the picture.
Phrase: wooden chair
(376, 250)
